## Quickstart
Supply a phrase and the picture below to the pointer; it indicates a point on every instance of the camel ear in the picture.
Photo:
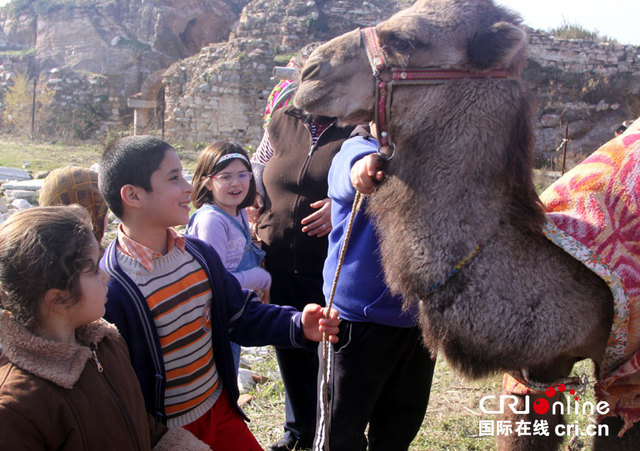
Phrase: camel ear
(497, 46)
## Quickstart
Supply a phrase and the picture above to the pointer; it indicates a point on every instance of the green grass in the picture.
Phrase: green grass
(22, 52)
(451, 422)
(568, 30)
(452, 418)
(43, 156)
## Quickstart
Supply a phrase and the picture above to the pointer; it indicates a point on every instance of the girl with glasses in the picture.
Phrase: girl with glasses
(223, 186)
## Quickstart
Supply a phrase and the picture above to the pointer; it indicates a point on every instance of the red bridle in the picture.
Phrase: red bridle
(404, 76)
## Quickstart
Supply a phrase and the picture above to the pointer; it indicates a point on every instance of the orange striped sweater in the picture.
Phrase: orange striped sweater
(178, 294)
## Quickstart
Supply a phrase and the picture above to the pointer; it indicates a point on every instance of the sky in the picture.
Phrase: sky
(618, 19)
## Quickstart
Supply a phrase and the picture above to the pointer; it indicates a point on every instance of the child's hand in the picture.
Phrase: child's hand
(255, 210)
(314, 323)
(264, 296)
(365, 175)
(318, 222)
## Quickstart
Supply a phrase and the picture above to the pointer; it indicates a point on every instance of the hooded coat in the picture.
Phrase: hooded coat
(76, 397)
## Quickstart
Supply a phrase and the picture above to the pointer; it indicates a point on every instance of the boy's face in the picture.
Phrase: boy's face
(167, 204)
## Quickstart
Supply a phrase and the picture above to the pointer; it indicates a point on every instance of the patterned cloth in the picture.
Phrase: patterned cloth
(280, 96)
(593, 214)
(72, 185)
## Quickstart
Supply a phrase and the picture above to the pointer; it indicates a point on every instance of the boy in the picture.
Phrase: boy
(380, 373)
(176, 305)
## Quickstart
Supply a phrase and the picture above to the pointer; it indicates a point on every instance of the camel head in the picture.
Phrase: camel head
(463, 160)
(469, 35)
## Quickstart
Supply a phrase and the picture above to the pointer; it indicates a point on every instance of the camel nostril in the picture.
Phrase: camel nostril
(310, 70)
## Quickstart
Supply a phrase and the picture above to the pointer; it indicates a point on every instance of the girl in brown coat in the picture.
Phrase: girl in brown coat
(65, 378)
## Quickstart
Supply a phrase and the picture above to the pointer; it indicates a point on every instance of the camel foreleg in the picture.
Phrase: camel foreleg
(531, 430)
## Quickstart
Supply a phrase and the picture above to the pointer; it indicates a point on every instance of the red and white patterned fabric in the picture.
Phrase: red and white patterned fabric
(593, 213)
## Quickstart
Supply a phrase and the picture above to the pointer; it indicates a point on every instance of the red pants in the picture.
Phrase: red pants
(222, 428)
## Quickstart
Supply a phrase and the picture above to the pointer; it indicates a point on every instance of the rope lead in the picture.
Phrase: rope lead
(357, 203)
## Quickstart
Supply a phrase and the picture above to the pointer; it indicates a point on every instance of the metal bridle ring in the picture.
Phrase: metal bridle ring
(384, 156)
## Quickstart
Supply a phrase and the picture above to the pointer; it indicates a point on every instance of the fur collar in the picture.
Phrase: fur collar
(56, 362)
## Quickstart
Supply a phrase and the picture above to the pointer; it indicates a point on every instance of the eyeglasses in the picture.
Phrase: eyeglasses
(226, 178)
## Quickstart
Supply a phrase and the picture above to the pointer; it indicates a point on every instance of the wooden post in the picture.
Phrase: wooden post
(164, 105)
(565, 141)
(33, 107)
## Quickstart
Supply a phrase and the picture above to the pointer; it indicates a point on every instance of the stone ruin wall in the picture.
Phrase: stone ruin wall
(219, 94)
(75, 94)
(579, 56)
(122, 42)
(590, 86)
(289, 25)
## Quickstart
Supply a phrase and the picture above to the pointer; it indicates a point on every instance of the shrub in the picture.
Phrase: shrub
(568, 30)
(19, 104)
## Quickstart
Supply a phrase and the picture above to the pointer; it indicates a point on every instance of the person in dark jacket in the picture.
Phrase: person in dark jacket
(291, 163)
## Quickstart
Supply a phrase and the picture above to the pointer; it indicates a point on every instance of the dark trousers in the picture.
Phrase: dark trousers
(298, 367)
(378, 375)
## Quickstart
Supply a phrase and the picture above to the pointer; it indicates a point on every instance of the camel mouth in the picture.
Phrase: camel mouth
(318, 98)
(310, 97)
(358, 117)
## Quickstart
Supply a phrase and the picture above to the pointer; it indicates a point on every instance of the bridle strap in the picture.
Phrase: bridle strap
(440, 76)
(379, 62)
(377, 57)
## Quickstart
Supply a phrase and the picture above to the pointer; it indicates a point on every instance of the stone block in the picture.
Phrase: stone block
(15, 194)
(13, 174)
(21, 204)
(550, 120)
(137, 103)
(27, 185)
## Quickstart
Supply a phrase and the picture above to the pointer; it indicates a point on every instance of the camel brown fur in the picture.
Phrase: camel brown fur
(462, 177)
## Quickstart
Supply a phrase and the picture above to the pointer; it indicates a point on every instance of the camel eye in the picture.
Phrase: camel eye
(400, 45)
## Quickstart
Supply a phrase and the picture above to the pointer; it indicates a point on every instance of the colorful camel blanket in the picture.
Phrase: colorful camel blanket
(593, 213)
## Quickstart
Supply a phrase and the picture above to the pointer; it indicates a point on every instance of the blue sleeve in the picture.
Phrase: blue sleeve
(252, 323)
(353, 149)
(249, 322)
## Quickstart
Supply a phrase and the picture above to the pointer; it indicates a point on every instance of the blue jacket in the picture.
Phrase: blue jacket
(236, 316)
(361, 293)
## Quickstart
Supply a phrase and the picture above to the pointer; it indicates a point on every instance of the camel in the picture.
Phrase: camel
(459, 193)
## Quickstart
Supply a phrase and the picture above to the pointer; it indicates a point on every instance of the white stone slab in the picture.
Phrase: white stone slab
(13, 174)
(21, 204)
(12, 194)
(29, 185)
